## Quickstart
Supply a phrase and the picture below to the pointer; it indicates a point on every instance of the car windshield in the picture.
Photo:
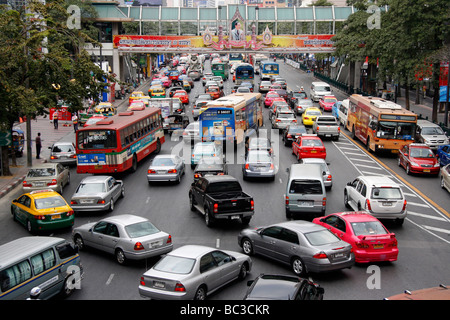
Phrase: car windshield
(285, 115)
(368, 228)
(62, 148)
(323, 88)
(173, 264)
(141, 229)
(306, 187)
(297, 130)
(386, 193)
(313, 113)
(89, 188)
(41, 172)
(163, 162)
(421, 153)
(321, 237)
(427, 131)
(311, 143)
(50, 202)
(299, 94)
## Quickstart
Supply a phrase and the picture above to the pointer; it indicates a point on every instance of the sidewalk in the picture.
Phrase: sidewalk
(49, 135)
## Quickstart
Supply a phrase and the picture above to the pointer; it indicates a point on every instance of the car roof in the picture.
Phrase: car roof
(275, 286)
(302, 226)
(356, 216)
(378, 181)
(191, 251)
(93, 179)
(125, 219)
(44, 193)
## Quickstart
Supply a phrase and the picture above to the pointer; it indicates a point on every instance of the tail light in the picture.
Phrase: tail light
(317, 129)
(73, 202)
(288, 136)
(101, 202)
(180, 288)
(320, 255)
(362, 245)
(169, 239)
(26, 184)
(52, 183)
(339, 129)
(329, 177)
(151, 171)
(306, 118)
(271, 166)
(221, 174)
(138, 246)
(172, 171)
(368, 206)
(247, 166)
(196, 176)
(69, 213)
(52, 157)
(394, 241)
(39, 217)
(142, 282)
(252, 205)
(404, 205)
(287, 200)
(215, 208)
(324, 202)
(295, 120)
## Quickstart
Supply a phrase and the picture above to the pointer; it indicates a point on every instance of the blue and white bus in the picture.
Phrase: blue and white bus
(244, 73)
(269, 69)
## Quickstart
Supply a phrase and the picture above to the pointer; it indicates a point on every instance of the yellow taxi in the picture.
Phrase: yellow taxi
(157, 91)
(135, 95)
(310, 115)
(42, 210)
(106, 109)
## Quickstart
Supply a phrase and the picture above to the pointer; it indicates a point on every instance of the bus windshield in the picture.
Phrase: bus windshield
(97, 139)
(217, 67)
(244, 72)
(396, 130)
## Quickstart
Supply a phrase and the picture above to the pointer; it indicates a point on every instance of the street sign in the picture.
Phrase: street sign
(5, 139)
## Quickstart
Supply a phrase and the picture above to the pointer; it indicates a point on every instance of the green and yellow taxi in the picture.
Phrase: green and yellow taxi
(310, 115)
(135, 95)
(186, 86)
(157, 91)
(42, 210)
(106, 109)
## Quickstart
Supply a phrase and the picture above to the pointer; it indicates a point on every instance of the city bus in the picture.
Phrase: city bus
(235, 58)
(380, 124)
(244, 73)
(119, 142)
(220, 69)
(230, 117)
(269, 69)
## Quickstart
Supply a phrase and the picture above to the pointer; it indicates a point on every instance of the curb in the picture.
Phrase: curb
(14, 183)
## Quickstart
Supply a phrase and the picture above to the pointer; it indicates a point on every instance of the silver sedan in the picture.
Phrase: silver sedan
(53, 176)
(300, 244)
(97, 193)
(166, 167)
(127, 236)
(193, 272)
(259, 164)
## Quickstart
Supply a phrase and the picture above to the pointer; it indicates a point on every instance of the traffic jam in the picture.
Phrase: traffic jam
(215, 107)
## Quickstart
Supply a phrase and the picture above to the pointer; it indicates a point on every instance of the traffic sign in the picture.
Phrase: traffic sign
(5, 139)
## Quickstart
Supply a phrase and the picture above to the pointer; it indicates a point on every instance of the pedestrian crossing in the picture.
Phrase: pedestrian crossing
(421, 212)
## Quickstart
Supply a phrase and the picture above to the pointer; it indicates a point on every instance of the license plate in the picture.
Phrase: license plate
(234, 217)
(155, 244)
(378, 246)
(328, 135)
(339, 255)
(426, 170)
(159, 284)
(98, 167)
(305, 203)
(56, 216)
(38, 184)
(313, 151)
(86, 201)
(387, 204)
(161, 171)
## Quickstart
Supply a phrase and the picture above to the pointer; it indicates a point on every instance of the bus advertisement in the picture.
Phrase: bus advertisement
(244, 73)
(380, 124)
(220, 69)
(118, 143)
(269, 69)
(217, 124)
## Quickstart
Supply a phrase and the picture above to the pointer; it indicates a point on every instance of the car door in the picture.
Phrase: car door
(210, 274)
(110, 238)
(198, 191)
(352, 193)
(336, 225)
(402, 156)
(228, 268)
(287, 246)
(63, 174)
(96, 235)
(113, 188)
(22, 208)
(265, 243)
(295, 145)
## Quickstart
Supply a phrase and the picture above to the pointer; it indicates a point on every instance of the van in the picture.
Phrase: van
(431, 134)
(343, 112)
(318, 90)
(305, 190)
(48, 263)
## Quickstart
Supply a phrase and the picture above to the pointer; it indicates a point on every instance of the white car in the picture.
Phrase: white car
(219, 80)
(378, 195)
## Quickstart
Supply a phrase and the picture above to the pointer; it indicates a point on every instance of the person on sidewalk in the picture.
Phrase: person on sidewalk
(55, 119)
(38, 142)
(75, 122)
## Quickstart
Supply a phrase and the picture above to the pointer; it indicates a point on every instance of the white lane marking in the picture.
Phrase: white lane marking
(110, 279)
(437, 229)
(365, 166)
(373, 173)
(364, 160)
(217, 243)
(425, 216)
(418, 204)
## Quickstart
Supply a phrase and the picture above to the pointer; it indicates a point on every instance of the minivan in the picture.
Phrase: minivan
(431, 134)
(49, 263)
(305, 190)
(318, 90)
(343, 112)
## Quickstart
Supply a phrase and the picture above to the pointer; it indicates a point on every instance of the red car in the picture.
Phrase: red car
(326, 102)
(214, 92)
(369, 238)
(166, 82)
(182, 95)
(269, 98)
(309, 146)
(418, 158)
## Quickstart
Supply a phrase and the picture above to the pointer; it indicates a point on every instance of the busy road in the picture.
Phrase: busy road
(423, 239)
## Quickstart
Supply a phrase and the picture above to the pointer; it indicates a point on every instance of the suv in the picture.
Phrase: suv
(430, 134)
(378, 195)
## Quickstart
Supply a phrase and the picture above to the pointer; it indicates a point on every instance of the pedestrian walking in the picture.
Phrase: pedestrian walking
(55, 119)
(75, 122)
(38, 143)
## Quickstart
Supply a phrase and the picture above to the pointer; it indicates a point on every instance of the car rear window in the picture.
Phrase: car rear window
(321, 237)
(386, 193)
(173, 264)
(368, 228)
(87, 188)
(306, 187)
(42, 172)
(50, 202)
(62, 148)
(141, 229)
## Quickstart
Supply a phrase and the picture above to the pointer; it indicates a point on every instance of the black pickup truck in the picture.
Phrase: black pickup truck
(221, 197)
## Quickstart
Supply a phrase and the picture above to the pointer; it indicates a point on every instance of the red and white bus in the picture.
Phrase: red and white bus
(119, 142)
(380, 124)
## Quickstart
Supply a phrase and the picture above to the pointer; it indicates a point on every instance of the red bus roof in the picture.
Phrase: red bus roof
(122, 119)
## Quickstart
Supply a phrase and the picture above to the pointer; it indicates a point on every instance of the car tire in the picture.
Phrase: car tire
(209, 220)
(399, 162)
(111, 205)
(120, 256)
(29, 226)
(191, 202)
(243, 272)
(247, 246)
(346, 202)
(408, 170)
(67, 290)
(442, 183)
(298, 266)
(79, 242)
(200, 293)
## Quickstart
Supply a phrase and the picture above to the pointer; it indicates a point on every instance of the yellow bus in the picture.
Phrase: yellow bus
(380, 124)
(237, 113)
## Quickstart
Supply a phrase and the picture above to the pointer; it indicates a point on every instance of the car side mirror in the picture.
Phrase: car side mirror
(250, 282)
(349, 183)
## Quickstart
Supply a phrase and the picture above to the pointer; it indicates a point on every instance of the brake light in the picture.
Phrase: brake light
(26, 184)
(252, 205)
(169, 239)
(320, 255)
(404, 205)
(329, 177)
(151, 171)
(172, 171)
(142, 282)
(324, 202)
(138, 246)
(288, 136)
(53, 157)
(52, 183)
(247, 166)
(39, 217)
(215, 208)
(394, 242)
(339, 129)
(317, 129)
(196, 176)
(101, 202)
(295, 120)
(69, 213)
(271, 166)
(73, 202)
(306, 118)
(287, 200)
(362, 245)
(368, 206)
(180, 288)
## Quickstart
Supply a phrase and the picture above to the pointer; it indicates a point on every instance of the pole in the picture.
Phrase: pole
(447, 100)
